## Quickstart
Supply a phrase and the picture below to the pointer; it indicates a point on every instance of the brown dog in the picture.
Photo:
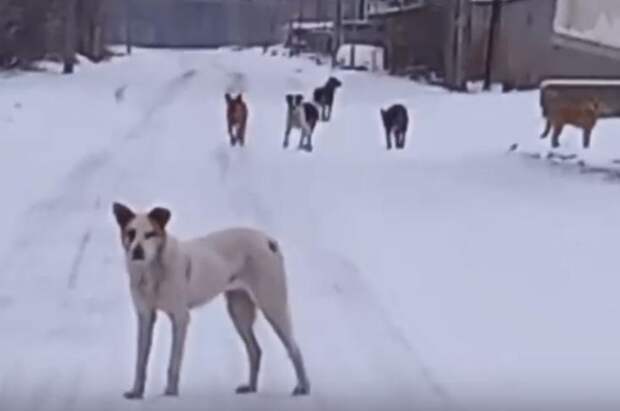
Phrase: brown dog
(583, 114)
(237, 117)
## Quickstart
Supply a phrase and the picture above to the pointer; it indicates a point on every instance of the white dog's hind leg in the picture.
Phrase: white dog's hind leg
(242, 310)
(266, 281)
(180, 321)
(281, 323)
(146, 322)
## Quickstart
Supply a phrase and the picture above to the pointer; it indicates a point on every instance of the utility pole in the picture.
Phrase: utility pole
(360, 15)
(69, 37)
(337, 32)
(128, 18)
(362, 9)
(290, 38)
(352, 43)
(300, 19)
(493, 24)
(462, 19)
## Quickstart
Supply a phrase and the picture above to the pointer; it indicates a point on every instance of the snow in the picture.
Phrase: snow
(310, 25)
(448, 276)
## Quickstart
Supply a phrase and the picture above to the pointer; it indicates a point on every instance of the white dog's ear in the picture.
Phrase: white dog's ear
(160, 216)
(123, 214)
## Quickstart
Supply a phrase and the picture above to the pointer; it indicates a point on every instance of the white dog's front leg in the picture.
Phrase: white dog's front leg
(287, 133)
(179, 322)
(146, 322)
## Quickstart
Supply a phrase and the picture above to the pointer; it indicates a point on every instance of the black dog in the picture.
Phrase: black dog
(396, 121)
(303, 116)
(324, 97)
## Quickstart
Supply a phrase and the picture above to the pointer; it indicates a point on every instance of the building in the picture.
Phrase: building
(197, 23)
(415, 34)
(211, 23)
(588, 26)
(532, 39)
(538, 39)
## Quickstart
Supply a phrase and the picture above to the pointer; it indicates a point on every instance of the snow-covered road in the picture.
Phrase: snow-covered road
(445, 277)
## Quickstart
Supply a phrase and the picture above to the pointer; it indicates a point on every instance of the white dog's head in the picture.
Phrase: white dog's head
(143, 235)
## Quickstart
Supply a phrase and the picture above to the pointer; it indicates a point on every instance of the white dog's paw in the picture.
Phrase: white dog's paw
(245, 389)
(171, 392)
(133, 395)
(301, 390)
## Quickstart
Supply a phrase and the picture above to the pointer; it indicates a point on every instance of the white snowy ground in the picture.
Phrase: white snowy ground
(450, 276)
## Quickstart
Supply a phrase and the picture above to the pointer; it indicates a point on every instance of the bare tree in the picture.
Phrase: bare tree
(32, 30)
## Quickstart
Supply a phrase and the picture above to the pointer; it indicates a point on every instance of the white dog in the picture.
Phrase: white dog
(174, 276)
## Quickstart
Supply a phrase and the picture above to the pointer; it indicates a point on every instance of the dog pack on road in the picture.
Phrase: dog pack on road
(305, 115)
(244, 265)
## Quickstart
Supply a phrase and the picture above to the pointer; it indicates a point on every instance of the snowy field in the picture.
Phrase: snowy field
(449, 276)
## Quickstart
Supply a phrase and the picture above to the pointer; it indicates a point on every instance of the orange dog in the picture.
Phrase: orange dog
(583, 114)
(237, 117)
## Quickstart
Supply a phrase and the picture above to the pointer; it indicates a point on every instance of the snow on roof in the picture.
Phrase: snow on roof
(384, 8)
(580, 82)
(311, 25)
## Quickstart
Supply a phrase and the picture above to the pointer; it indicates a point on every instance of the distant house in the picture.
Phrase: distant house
(196, 23)
(536, 39)
(319, 36)
(415, 34)
(309, 36)
(319, 10)
(533, 39)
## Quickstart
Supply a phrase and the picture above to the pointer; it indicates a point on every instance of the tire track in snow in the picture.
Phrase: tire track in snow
(165, 98)
(81, 178)
(80, 194)
(435, 385)
(244, 196)
(240, 183)
(349, 286)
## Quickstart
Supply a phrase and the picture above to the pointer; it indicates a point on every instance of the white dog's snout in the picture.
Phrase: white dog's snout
(137, 252)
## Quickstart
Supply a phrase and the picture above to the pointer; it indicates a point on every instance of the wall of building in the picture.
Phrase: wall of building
(525, 53)
(416, 37)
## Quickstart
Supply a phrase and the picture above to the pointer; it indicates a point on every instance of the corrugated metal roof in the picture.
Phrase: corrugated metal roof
(384, 7)
(491, 1)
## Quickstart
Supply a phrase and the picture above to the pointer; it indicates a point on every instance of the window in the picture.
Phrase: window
(595, 21)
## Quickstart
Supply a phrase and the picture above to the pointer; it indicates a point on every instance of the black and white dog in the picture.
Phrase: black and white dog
(395, 121)
(324, 97)
(301, 115)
